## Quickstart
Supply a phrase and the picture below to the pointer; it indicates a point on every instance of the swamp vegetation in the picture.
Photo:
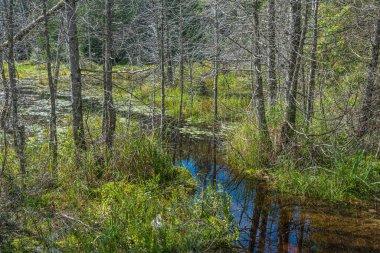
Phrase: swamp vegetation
(197, 126)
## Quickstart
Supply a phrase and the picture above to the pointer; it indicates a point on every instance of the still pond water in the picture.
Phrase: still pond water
(269, 222)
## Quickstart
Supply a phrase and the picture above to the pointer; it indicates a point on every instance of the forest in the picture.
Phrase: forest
(189, 126)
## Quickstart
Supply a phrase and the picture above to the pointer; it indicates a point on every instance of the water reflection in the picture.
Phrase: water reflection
(268, 222)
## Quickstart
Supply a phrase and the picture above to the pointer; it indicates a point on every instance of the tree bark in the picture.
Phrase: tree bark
(216, 59)
(181, 67)
(313, 65)
(53, 142)
(371, 90)
(109, 114)
(57, 55)
(292, 77)
(6, 107)
(18, 129)
(258, 93)
(272, 52)
(162, 65)
(169, 57)
(4, 115)
(75, 75)
(300, 58)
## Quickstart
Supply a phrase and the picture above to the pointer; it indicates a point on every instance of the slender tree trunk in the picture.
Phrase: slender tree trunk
(300, 58)
(57, 53)
(292, 78)
(162, 66)
(216, 59)
(181, 67)
(109, 115)
(258, 93)
(53, 142)
(75, 74)
(272, 52)
(169, 58)
(6, 107)
(4, 114)
(88, 31)
(371, 91)
(130, 100)
(313, 65)
(18, 129)
(154, 101)
(191, 82)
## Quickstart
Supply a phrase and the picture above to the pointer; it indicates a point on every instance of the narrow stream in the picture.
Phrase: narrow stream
(269, 222)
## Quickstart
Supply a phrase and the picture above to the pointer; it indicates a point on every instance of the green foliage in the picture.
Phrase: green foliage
(336, 178)
(246, 150)
(134, 200)
(146, 217)
(347, 177)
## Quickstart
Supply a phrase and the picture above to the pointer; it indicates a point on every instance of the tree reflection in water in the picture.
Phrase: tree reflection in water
(268, 222)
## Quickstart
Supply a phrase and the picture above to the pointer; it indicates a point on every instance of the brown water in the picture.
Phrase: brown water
(269, 222)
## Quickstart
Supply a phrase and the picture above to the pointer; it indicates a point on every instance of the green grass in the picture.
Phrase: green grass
(306, 171)
(109, 205)
(347, 178)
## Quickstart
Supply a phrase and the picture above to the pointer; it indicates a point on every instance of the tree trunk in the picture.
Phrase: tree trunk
(6, 107)
(18, 129)
(272, 52)
(162, 66)
(169, 57)
(258, 93)
(4, 115)
(191, 82)
(75, 74)
(371, 91)
(216, 59)
(300, 58)
(181, 66)
(292, 78)
(53, 94)
(313, 65)
(109, 115)
(57, 54)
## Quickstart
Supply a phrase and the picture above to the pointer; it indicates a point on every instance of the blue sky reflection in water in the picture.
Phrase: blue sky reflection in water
(270, 223)
(242, 207)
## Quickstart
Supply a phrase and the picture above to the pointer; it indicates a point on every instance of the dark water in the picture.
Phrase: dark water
(269, 222)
